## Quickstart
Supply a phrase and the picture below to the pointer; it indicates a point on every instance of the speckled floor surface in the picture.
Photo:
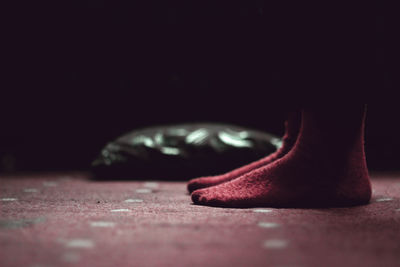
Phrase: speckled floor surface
(67, 220)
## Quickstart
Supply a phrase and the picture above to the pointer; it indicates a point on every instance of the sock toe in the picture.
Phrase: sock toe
(196, 197)
(201, 197)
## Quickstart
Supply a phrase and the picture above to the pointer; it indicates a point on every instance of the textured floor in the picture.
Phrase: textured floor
(67, 220)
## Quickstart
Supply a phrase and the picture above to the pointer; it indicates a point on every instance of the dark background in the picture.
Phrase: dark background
(81, 74)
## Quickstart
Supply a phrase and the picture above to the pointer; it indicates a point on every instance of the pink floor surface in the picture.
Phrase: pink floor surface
(67, 220)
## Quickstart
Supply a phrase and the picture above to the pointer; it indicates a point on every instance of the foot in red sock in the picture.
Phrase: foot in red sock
(292, 126)
(325, 168)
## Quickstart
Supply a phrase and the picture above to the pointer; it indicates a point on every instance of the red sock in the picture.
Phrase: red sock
(292, 126)
(325, 168)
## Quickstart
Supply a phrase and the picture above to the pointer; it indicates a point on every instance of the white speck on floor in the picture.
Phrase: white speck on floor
(71, 257)
(268, 225)
(79, 243)
(102, 224)
(384, 199)
(9, 199)
(120, 210)
(151, 185)
(262, 210)
(49, 184)
(133, 200)
(143, 191)
(275, 244)
(30, 190)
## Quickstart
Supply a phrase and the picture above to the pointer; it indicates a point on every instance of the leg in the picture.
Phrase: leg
(326, 167)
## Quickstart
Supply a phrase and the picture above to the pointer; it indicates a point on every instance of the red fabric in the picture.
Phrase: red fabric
(326, 167)
(292, 126)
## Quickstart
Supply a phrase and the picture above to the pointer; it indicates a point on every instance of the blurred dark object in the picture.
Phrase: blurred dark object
(72, 74)
(182, 151)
